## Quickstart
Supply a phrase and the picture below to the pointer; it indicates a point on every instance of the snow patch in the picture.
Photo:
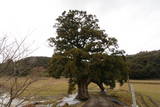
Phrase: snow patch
(4, 99)
(70, 100)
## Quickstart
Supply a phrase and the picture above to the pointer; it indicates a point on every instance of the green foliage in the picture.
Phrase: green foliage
(144, 65)
(85, 52)
(108, 68)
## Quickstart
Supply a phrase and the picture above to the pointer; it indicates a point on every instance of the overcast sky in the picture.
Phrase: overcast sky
(135, 23)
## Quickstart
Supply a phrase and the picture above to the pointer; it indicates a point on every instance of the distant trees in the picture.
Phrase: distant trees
(29, 65)
(144, 65)
(85, 53)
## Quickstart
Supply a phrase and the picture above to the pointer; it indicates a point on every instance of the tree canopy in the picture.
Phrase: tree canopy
(144, 65)
(85, 53)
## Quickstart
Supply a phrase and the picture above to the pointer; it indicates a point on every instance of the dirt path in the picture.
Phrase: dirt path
(100, 101)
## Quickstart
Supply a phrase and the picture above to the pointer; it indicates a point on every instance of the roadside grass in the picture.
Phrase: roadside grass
(121, 95)
(147, 92)
(146, 87)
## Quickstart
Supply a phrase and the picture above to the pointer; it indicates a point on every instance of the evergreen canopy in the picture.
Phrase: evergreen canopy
(85, 53)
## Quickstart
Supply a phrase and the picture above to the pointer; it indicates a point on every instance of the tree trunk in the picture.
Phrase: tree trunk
(83, 91)
(101, 86)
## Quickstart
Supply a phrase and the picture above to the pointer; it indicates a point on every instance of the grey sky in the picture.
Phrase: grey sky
(135, 23)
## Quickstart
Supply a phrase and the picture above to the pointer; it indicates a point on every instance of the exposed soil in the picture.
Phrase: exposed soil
(101, 101)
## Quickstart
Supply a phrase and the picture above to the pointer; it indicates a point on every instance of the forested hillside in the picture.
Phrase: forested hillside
(25, 66)
(144, 65)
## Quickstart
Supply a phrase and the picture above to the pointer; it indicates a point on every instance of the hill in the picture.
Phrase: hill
(26, 66)
(144, 65)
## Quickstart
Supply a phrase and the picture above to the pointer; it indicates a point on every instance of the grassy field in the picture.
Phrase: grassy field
(49, 88)
(147, 92)
(146, 87)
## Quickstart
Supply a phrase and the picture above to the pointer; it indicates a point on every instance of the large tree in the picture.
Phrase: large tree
(84, 53)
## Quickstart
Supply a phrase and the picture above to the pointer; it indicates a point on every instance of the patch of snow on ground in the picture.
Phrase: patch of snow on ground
(4, 99)
(71, 99)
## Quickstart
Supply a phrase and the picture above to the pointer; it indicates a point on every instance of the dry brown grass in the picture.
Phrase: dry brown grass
(57, 88)
(146, 87)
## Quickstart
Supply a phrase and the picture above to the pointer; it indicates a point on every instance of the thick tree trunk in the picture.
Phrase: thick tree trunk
(83, 91)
